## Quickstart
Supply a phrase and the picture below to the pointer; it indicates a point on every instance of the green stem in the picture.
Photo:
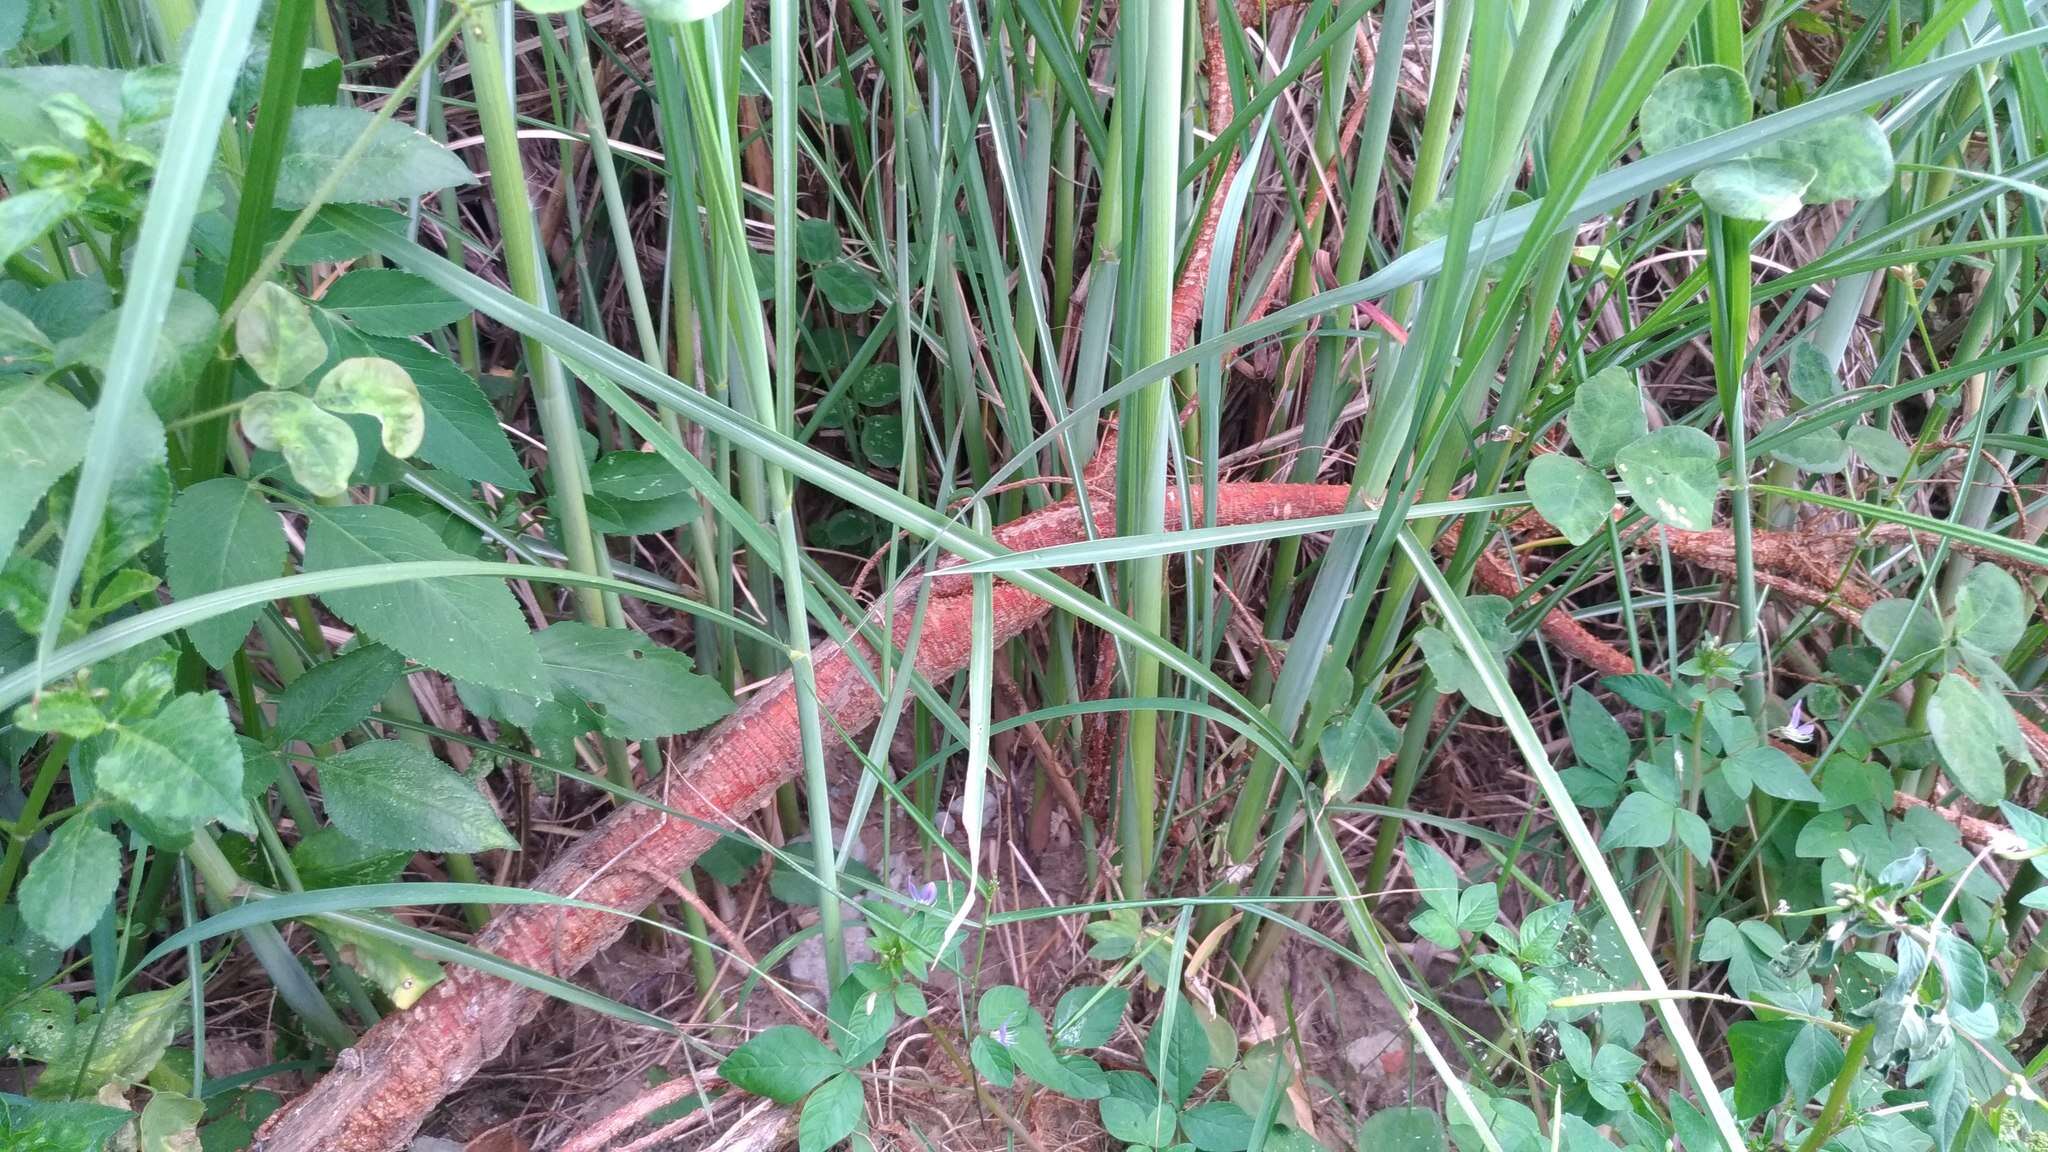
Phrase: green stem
(1838, 1096)
(52, 766)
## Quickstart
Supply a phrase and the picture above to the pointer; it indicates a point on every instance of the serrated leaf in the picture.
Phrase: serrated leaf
(275, 336)
(334, 696)
(1850, 156)
(469, 627)
(42, 437)
(1570, 495)
(389, 302)
(1965, 731)
(180, 767)
(639, 689)
(1673, 475)
(180, 349)
(71, 882)
(221, 534)
(1759, 188)
(390, 794)
(400, 163)
(783, 1063)
(1606, 415)
(27, 215)
(1691, 104)
(373, 386)
(318, 446)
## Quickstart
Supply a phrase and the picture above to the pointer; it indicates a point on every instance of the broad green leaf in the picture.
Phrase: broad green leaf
(1965, 731)
(71, 882)
(992, 1060)
(1597, 737)
(1771, 772)
(783, 1063)
(24, 91)
(1809, 376)
(1453, 669)
(1642, 821)
(329, 859)
(1606, 415)
(831, 1114)
(22, 344)
(120, 1048)
(879, 386)
(222, 534)
(1913, 627)
(399, 163)
(318, 446)
(678, 11)
(1760, 188)
(59, 1125)
(1821, 451)
(468, 627)
(169, 1123)
(1406, 1129)
(27, 215)
(1673, 475)
(846, 286)
(1812, 1062)
(462, 434)
(881, 439)
(73, 712)
(390, 794)
(817, 241)
(1149, 1124)
(388, 302)
(1477, 906)
(180, 767)
(1570, 495)
(42, 437)
(1436, 879)
(1088, 1015)
(640, 689)
(1178, 1060)
(275, 336)
(860, 1019)
(1690, 104)
(1218, 1126)
(1880, 451)
(1850, 157)
(1353, 747)
(1990, 613)
(1759, 1048)
(332, 697)
(373, 386)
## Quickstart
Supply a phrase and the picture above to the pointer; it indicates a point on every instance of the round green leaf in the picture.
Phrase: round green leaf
(1915, 628)
(374, 386)
(1965, 731)
(846, 286)
(1673, 475)
(878, 386)
(1880, 451)
(276, 338)
(1990, 614)
(1570, 495)
(881, 440)
(831, 1114)
(318, 446)
(1691, 104)
(1808, 375)
(69, 885)
(1818, 450)
(1850, 156)
(390, 794)
(1761, 188)
(1606, 415)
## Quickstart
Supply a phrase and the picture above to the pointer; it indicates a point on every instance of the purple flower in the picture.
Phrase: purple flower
(926, 893)
(1798, 728)
(1001, 1035)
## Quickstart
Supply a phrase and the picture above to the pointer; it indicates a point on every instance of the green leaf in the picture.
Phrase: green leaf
(1436, 880)
(334, 696)
(1402, 1130)
(1880, 451)
(1773, 773)
(468, 627)
(1759, 1048)
(388, 302)
(860, 1019)
(992, 1060)
(170, 1123)
(71, 883)
(1673, 475)
(1809, 376)
(42, 436)
(462, 433)
(119, 1048)
(221, 534)
(400, 163)
(881, 439)
(640, 689)
(1965, 731)
(59, 1126)
(1149, 1125)
(1642, 821)
(27, 215)
(1812, 1063)
(783, 1063)
(1914, 627)
(846, 286)
(276, 338)
(71, 711)
(329, 859)
(373, 386)
(1597, 737)
(816, 241)
(1088, 1015)
(1178, 1060)
(1570, 495)
(21, 342)
(879, 386)
(1218, 1126)
(1761, 188)
(550, 7)
(1850, 157)
(679, 11)
(831, 1114)
(180, 767)
(1352, 749)
(1453, 669)
(390, 794)
(318, 446)
(1990, 613)
(1606, 415)
(1477, 907)
(1691, 104)
(1821, 451)
(396, 970)
(180, 349)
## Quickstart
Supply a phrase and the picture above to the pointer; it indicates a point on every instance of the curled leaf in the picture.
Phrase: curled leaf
(276, 338)
(318, 446)
(374, 386)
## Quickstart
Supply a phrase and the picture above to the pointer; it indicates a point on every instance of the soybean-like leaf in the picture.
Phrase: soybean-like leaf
(1808, 375)
(1850, 156)
(329, 859)
(640, 689)
(846, 286)
(1879, 450)
(222, 534)
(1764, 188)
(1990, 611)
(831, 1114)
(1642, 821)
(1673, 475)
(399, 162)
(468, 627)
(1088, 1015)
(388, 302)
(1352, 748)
(1598, 739)
(1570, 495)
(1773, 773)
(169, 1123)
(1914, 628)
(783, 1063)
(317, 445)
(1821, 451)
(276, 337)
(1218, 1126)
(1965, 731)
(334, 696)
(390, 794)
(1689, 104)
(42, 436)
(374, 386)
(1759, 1048)
(71, 882)
(180, 767)
(860, 1019)
(1147, 1125)
(1606, 415)
(1177, 1058)
(1407, 1129)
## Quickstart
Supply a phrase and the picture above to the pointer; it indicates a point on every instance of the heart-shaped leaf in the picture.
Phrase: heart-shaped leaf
(1606, 415)
(1689, 104)
(1570, 495)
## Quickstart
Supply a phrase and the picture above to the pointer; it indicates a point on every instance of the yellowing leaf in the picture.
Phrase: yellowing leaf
(374, 386)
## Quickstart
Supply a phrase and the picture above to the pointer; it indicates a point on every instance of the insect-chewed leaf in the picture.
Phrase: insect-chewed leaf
(1764, 188)
(317, 445)
(276, 338)
(374, 386)
(1691, 104)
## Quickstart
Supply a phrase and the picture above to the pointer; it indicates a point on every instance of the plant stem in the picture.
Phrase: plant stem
(1838, 1096)
(51, 767)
